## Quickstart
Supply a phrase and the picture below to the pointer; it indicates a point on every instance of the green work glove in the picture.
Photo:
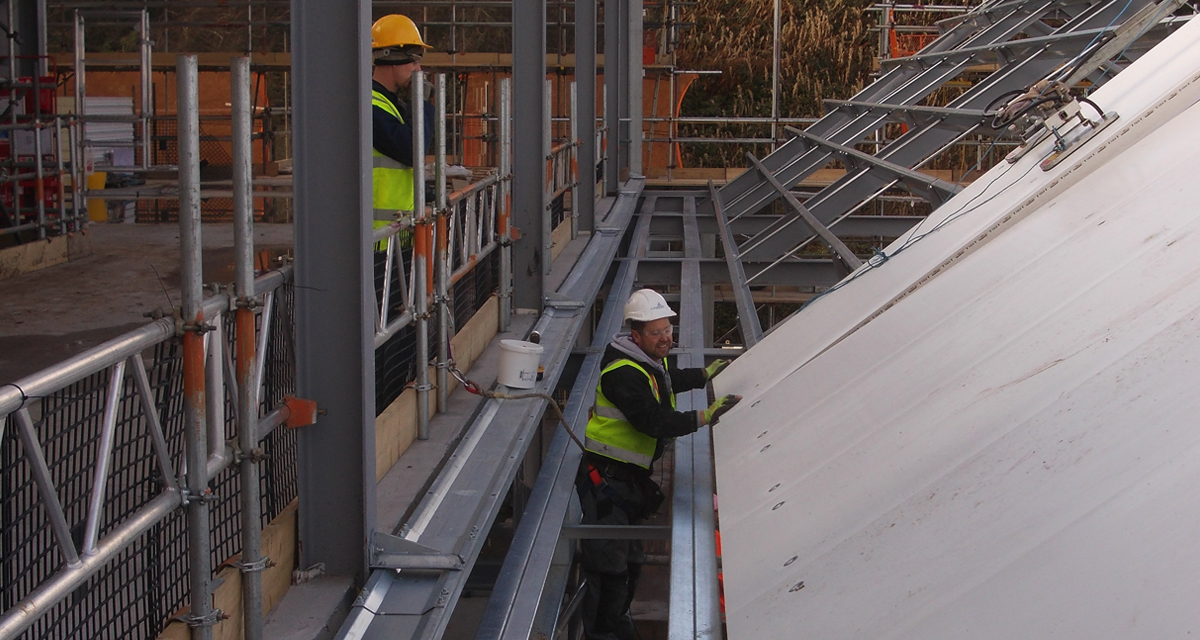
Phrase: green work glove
(713, 369)
(718, 408)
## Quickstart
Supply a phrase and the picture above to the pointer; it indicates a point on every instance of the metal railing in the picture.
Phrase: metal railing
(422, 258)
(98, 454)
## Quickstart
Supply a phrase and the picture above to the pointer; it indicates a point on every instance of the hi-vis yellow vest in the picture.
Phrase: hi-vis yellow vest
(609, 432)
(391, 182)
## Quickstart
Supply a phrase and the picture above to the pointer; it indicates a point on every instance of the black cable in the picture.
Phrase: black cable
(1022, 112)
(1000, 97)
(24, 398)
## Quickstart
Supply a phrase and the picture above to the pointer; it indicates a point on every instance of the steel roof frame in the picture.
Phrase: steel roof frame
(986, 35)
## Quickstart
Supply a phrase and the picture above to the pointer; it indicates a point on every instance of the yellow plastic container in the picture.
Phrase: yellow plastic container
(97, 209)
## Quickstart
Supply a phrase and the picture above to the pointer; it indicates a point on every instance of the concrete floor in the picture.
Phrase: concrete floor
(50, 315)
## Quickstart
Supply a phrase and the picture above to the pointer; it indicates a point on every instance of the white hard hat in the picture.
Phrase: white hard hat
(646, 305)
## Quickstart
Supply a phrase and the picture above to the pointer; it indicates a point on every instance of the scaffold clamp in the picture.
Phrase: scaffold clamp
(262, 564)
(256, 455)
(210, 619)
(186, 497)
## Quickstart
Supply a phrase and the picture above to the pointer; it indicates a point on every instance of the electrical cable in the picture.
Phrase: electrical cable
(473, 387)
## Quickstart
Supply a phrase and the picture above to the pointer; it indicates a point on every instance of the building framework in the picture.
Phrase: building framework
(755, 231)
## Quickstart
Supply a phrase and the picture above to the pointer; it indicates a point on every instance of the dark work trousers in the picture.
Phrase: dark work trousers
(611, 567)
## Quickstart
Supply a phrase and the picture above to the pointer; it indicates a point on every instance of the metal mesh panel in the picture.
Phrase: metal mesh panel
(120, 600)
(395, 360)
(557, 209)
(475, 287)
(278, 471)
(165, 151)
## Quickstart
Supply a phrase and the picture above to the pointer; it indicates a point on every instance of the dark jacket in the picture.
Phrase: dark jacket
(392, 138)
(629, 390)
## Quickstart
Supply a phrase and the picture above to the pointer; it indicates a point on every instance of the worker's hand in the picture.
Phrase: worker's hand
(718, 408)
(713, 369)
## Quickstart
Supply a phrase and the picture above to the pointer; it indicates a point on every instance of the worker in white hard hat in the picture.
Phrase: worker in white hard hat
(633, 419)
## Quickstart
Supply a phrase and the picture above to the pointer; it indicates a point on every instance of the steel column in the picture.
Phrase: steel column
(573, 154)
(775, 58)
(613, 93)
(505, 222)
(633, 84)
(194, 399)
(334, 281)
(585, 111)
(529, 144)
(547, 221)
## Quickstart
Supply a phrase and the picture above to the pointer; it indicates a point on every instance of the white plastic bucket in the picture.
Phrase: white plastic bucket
(519, 363)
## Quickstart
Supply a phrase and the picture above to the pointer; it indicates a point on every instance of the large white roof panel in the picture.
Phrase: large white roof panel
(1011, 448)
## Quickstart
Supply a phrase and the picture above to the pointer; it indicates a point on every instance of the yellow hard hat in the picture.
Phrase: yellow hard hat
(397, 31)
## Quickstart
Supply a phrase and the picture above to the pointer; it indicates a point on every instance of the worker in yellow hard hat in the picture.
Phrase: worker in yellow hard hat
(396, 51)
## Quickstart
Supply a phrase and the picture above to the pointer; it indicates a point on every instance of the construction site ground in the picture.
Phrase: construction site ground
(133, 270)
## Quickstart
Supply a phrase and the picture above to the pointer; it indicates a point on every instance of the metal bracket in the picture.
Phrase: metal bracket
(423, 387)
(1074, 138)
(393, 552)
(253, 567)
(560, 301)
(301, 412)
